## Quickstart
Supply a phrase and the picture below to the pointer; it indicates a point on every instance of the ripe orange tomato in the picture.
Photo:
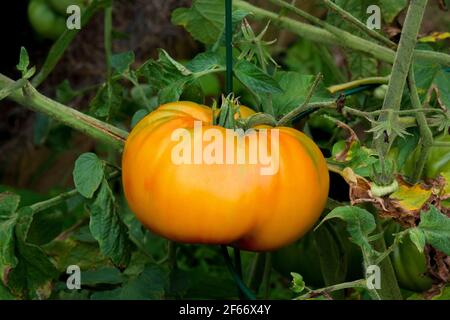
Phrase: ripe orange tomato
(220, 203)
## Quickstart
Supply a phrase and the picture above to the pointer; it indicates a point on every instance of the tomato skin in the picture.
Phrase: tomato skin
(47, 23)
(409, 263)
(216, 203)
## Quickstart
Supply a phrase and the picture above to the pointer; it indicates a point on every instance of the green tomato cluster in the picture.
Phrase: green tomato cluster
(48, 17)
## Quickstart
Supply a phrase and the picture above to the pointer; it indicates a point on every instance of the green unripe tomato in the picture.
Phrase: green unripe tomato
(44, 20)
(438, 160)
(323, 123)
(301, 257)
(409, 263)
(60, 6)
(380, 92)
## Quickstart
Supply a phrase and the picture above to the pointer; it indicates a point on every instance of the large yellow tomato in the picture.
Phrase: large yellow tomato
(220, 203)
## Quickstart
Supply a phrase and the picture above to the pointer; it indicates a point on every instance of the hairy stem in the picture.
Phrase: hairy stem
(90, 126)
(426, 136)
(49, 203)
(401, 68)
(361, 283)
(346, 39)
(347, 16)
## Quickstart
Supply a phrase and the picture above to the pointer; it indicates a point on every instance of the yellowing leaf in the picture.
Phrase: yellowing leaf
(435, 36)
(411, 198)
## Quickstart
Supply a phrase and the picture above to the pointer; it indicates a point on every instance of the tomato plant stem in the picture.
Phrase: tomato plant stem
(426, 135)
(256, 271)
(347, 16)
(346, 39)
(90, 126)
(400, 69)
(346, 285)
(46, 204)
(242, 287)
(229, 46)
(357, 83)
(266, 275)
(389, 289)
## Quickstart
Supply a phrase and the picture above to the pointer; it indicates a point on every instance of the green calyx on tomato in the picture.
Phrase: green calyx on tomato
(48, 17)
(409, 263)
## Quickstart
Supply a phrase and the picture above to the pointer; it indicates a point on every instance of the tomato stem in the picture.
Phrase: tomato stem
(426, 141)
(337, 37)
(242, 287)
(347, 16)
(77, 120)
(358, 83)
(400, 70)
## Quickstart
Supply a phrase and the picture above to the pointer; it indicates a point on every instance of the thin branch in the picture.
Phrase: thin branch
(346, 39)
(358, 83)
(401, 68)
(346, 285)
(426, 135)
(347, 16)
(90, 126)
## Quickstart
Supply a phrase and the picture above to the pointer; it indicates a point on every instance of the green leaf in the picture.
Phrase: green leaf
(33, 273)
(436, 228)
(255, 79)
(29, 73)
(297, 284)
(69, 252)
(360, 224)
(361, 66)
(390, 9)
(88, 174)
(148, 285)
(107, 227)
(332, 256)
(8, 258)
(167, 76)
(104, 275)
(4, 293)
(294, 88)
(65, 93)
(41, 128)
(429, 74)
(9, 202)
(418, 238)
(24, 61)
(107, 101)
(205, 20)
(138, 116)
(206, 61)
(121, 62)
